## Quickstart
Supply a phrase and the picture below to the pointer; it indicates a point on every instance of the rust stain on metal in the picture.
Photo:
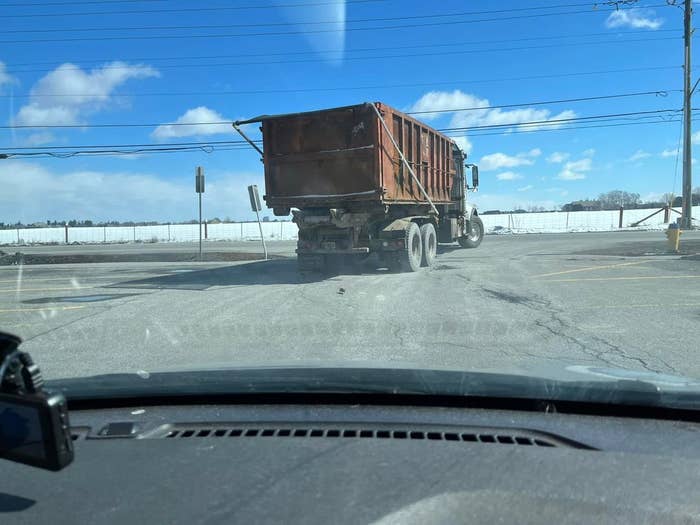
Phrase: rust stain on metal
(330, 157)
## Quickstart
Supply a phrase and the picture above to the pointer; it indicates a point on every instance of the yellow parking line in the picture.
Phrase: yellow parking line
(12, 310)
(27, 290)
(638, 278)
(621, 306)
(592, 268)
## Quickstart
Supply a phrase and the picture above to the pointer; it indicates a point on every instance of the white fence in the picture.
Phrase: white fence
(545, 222)
(237, 231)
(577, 221)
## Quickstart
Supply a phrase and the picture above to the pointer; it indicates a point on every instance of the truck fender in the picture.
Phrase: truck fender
(469, 211)
(401, 224)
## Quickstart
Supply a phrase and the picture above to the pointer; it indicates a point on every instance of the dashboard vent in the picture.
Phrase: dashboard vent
(507, 437)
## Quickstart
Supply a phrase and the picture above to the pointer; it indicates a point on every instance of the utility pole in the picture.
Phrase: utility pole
(686, 217)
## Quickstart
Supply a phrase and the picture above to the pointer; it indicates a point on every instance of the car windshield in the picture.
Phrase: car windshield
(479, 186)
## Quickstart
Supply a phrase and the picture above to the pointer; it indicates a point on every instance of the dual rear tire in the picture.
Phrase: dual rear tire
(420, 248)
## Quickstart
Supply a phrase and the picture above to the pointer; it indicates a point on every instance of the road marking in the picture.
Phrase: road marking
(68, 278)
(23, 290)
(592, 268)
(11, 310)
(638, 278)
(620, 306)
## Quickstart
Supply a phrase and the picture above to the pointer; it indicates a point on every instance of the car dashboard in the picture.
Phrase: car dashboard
(358, 463)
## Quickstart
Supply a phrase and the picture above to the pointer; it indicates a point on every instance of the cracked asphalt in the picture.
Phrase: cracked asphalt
(517, 303)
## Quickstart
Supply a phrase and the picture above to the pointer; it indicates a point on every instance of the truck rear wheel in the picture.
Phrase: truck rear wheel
(411, 256)
(475, 235)
(429, 240)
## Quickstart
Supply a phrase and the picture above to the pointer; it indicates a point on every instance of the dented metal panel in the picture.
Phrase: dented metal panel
(340, 155)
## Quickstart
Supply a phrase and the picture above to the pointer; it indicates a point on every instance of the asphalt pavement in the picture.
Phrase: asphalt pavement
(517, 302)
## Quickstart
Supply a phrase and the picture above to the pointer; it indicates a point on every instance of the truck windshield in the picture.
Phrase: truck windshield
(277, 183)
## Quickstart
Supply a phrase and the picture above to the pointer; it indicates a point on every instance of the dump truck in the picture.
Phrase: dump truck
(367, 179)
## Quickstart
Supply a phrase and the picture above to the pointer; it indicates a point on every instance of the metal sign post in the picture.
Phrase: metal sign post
(256, 207)
(199, 188)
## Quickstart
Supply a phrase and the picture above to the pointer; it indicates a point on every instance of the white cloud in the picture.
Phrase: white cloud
(588, 152)
(557, 157)
(509, 175)
(464, 144)
(39, 138)
(481, 112)
(41, 194)
(575, 170)
(442, 100)
(670, 152)
(495, 161)
(695, 137)
(89, 92)
(639, 155)
(526, 188)
(5, 78)
(634, 18)
(192, 116)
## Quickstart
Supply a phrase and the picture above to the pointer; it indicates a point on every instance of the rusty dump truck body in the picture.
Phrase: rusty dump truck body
(342, 155)
(363, 179)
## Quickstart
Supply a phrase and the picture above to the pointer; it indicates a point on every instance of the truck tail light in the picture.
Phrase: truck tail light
(305, 245)
(399, 243)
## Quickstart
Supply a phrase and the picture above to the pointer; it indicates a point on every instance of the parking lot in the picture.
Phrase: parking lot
(517, 302)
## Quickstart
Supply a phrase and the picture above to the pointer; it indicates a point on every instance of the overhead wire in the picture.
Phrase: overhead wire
(230, 26)
(178, 10)
(372, 57)
(212, 146)
(355, 88)
(228, 122)
(344, 50)
(306, 32)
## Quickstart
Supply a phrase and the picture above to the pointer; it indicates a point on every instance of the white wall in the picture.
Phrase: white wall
(545, 222)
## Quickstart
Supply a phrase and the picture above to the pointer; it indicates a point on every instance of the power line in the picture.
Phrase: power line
(230, 26)
(226, 122)
(561, 120)
(98, 2)
(379, 57)
(661, 93)
(212, 146)
(333, 50)
(361, 88)
(180, 10)
(304, 32)
(208, 147)
(562, 128)
(106, 146)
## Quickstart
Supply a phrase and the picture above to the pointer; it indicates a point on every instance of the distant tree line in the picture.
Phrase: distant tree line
(615, 199)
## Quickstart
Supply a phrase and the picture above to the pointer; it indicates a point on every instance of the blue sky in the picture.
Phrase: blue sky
(453, 54)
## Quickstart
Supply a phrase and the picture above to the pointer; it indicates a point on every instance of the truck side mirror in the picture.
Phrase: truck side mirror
(475, 176)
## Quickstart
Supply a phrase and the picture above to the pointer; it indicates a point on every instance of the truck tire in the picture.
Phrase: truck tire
(411, 256)
(475, 236)
(429, 239)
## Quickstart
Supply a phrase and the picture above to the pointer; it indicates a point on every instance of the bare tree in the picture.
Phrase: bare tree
(668, 198)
